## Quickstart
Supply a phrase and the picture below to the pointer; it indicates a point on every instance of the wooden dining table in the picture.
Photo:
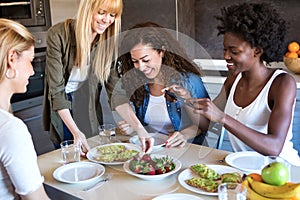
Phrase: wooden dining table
(123, 186)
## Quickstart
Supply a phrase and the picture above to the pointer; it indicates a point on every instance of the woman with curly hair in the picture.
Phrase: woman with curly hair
(259, 101)
(152, 62)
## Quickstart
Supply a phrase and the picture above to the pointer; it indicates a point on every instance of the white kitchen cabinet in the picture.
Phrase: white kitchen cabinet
(63, 9)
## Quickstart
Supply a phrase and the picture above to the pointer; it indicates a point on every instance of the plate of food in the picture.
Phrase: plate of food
(205, 179)
(247, 161)
(159, 140)
(78, 172)
(114, 153)
(152, 167)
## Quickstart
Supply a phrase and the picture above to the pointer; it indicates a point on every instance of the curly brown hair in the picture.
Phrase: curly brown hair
(175, 62)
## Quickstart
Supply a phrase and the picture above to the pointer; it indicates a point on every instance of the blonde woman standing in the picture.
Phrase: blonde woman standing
(80, 52)
(19, 172)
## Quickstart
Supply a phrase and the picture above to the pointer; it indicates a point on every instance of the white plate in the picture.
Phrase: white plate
(154, 177)
(247, 161)
(78, 172)
(177, 196)
(159, 140)
(93, 153)
(188, 174)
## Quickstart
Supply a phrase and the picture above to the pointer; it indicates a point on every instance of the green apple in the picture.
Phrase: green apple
(275, 173)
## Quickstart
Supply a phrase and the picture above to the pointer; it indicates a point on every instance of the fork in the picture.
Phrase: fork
(178, 98)
(107, 178)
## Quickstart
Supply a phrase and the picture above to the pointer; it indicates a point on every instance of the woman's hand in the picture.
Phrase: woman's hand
(177, 139)
(125, 128)
(207, 108)
(147, 143)
(178, 90)
(80, 137)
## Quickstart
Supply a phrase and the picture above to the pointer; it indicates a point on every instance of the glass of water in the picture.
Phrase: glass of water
(232, 191)
(107, 133)
(70, 151)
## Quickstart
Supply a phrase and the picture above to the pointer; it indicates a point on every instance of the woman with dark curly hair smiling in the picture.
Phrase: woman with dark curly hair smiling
(258, 101)
(152, 61)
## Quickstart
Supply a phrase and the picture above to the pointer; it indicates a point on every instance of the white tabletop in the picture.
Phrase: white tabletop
(124, 186)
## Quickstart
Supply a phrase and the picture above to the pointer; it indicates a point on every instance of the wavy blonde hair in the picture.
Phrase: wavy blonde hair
(107, 49)
(13, 36)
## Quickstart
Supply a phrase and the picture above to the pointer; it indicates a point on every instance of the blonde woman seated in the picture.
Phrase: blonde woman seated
(19, 172)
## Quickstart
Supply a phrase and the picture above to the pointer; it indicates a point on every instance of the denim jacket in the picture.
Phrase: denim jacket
(177, 113)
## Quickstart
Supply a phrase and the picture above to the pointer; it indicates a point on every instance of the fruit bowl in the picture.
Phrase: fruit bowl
(293, 64)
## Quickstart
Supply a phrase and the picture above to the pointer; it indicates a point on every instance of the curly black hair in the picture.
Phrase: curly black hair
(259, 24)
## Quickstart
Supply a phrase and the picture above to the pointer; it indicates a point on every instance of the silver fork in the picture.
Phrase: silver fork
(105, 179)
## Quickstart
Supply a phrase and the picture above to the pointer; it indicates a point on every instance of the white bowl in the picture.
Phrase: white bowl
(154, 177)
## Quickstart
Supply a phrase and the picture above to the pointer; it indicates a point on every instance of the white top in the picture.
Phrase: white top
(256, 116)
(19, 171)
(157, 116)
(75, 79)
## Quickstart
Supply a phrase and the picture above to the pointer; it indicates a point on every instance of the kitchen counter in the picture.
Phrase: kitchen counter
(212, 67)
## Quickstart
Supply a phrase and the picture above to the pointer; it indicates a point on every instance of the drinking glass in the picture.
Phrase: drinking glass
(70, 151)
(107, 133)
(232, 191)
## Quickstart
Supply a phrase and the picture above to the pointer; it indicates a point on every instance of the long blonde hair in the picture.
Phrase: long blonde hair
(13, 36)
(107, 49)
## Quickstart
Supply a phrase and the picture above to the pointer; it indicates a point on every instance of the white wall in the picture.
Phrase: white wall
(63, 9)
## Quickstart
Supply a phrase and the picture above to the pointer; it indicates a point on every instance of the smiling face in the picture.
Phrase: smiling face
(24, 69)
(147, 60)
(101, 20)
(238, 53)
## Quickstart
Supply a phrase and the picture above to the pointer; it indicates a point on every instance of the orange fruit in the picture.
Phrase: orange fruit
(287, 54)
(298, 52)
(292, 55)
(256, 177)
(293, 47)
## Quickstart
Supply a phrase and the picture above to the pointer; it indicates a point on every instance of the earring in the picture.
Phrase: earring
(11, 75)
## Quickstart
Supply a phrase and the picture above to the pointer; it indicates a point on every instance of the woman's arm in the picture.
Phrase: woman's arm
(67, 118)
(56, 79)
(278, 124)
(126, 112)
(39, 194)
(193, 87)
(56, 72)
(179, 138)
